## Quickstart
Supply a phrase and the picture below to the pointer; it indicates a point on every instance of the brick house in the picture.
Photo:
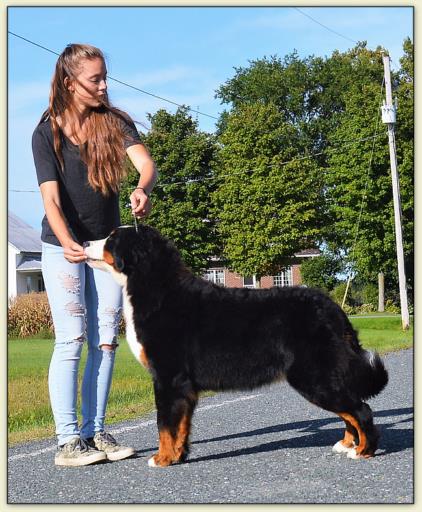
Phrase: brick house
(290, 276)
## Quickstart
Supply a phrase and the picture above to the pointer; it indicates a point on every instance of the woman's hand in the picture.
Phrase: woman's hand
(73, 252)
(140, 203)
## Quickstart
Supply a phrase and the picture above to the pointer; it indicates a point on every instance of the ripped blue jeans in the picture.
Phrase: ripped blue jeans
(85, 304)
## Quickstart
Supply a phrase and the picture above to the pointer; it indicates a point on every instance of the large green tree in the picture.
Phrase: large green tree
(333, 103)
(266, 209)
(358, 178)
(181, 199)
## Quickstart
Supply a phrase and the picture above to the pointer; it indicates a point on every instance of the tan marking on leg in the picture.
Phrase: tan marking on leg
(166, 451)
(182, 436)
(362, 450)
(349, 439)
(144, 359)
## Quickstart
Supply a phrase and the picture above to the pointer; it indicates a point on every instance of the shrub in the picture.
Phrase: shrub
(365, 308)
(29, 315)
(369, 295)
(337, 294)
(390, 307)
(321, 272)
(349, 310)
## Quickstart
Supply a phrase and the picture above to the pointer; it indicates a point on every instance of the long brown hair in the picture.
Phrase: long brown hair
(104, 150)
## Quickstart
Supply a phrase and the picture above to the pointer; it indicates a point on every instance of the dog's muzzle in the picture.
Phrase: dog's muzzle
(94, 250)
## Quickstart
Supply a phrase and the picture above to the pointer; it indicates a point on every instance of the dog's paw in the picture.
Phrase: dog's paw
(152, 463)
(353, 454)
(156, 461)
(339, 447)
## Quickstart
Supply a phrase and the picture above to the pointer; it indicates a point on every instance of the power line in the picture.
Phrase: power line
(335, 32)
(325, 26)
(118, 81)
(278, 164)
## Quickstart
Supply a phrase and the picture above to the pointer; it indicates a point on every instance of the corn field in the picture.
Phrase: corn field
(29, 315)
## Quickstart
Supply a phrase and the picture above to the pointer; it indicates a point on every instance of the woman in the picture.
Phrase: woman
(79, 148)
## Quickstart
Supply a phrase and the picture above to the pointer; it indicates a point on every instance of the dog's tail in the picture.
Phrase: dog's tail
(376, 375)
(370, 374)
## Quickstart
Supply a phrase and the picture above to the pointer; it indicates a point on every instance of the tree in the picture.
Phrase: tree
(334, 103)
(181, 198)
(321, 272)
(266, 209)
(361, 172)
(404, 130)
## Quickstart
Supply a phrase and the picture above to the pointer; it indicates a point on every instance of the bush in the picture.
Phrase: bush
(321, 272)
(337, 294)
(363, 309)
(390, 307)
(29, 315)
(369, 295)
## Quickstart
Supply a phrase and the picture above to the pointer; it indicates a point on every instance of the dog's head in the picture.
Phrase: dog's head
(127, 250)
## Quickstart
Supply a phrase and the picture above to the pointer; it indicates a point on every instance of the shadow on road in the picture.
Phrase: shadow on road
(317, 433)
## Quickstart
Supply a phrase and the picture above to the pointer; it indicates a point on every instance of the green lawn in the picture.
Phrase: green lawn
(29, 415)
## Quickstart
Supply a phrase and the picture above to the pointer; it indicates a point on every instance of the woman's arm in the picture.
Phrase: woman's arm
(73, 252)
(144, 164)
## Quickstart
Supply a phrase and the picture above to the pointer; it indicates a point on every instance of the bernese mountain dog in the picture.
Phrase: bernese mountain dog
(193, 336)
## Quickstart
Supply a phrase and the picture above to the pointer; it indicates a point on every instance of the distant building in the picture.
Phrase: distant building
(24, 258)
(289, 276)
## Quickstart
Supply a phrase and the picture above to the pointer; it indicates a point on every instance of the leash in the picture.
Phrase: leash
(135, 220)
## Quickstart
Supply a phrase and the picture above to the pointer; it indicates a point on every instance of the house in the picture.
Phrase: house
(290, 276)
(24, 258)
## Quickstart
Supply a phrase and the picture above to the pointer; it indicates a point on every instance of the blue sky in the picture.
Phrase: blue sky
(180, 53)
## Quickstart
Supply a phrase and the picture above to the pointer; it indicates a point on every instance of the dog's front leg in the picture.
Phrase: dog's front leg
(175, 406)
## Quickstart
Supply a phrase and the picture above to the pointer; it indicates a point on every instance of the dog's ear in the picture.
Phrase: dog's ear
(119, 263)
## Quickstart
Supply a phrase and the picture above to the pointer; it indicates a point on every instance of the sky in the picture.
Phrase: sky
(182, 54)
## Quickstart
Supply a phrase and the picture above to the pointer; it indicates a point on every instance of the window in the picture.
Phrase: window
(41, 287)
(215, 275)
(249, 282)
(283, 278)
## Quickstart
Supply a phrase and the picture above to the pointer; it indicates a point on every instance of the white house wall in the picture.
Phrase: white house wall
(13, 259)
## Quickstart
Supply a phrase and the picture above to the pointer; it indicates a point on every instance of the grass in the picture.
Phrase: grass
(383, 334)
(29, 413)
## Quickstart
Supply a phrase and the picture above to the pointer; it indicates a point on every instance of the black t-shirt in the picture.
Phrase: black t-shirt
(89, 214)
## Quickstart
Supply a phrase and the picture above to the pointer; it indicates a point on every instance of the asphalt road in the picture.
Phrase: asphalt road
(264, 446)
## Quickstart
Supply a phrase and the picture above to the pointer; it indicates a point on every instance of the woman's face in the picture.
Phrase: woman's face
(90, 85)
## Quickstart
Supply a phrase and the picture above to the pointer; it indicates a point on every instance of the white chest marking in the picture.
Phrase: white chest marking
(131, 337)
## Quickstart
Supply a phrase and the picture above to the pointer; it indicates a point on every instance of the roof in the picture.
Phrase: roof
(29, 263)
(22, 235)
(308, 253)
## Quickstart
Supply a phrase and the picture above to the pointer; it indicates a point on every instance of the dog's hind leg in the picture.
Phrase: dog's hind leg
(361, 421)
(175, 408)
(349, 441)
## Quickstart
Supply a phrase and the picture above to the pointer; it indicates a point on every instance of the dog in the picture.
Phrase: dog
(193, 335)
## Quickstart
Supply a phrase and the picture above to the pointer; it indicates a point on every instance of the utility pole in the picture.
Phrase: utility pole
(389, 118)
(381, 303)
